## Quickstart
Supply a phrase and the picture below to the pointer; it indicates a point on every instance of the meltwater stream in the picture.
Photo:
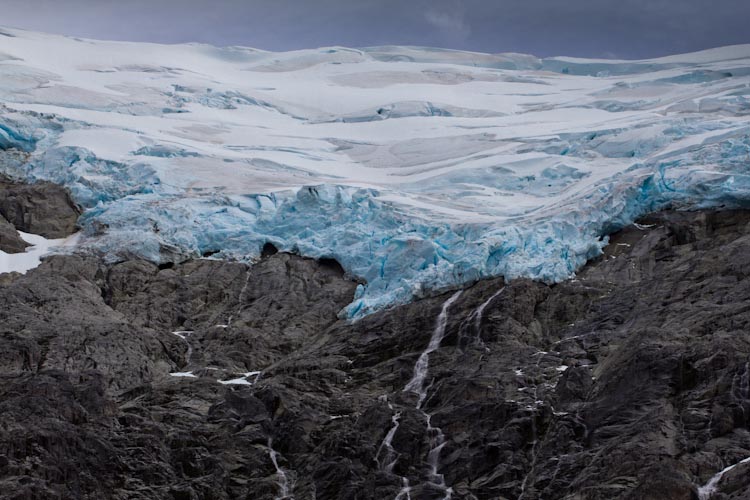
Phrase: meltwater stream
(281, 478)
(479, 311)
(470, 331)
(416, 385)
(386, 457)
(706, 491)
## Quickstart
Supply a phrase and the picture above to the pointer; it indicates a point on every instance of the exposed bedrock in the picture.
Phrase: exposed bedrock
(631, 381)
(10, 240)
(41, 208)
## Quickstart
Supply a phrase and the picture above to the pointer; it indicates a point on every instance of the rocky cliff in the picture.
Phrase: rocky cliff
(209, 379)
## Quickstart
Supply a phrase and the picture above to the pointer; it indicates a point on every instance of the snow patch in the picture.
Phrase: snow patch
(32, 257)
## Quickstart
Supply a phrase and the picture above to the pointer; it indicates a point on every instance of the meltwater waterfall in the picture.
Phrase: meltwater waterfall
(417, 386)
(706, 491)
(281, 478)
(470, 331)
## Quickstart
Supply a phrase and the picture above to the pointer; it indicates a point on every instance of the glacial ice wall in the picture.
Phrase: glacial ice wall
(417, 169)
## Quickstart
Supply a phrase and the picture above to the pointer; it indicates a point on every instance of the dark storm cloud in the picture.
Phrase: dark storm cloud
(602, 28)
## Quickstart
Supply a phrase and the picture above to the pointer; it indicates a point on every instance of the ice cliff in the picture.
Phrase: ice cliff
(417, 169)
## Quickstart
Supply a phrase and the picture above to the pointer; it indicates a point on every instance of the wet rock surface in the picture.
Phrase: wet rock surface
(631, 381)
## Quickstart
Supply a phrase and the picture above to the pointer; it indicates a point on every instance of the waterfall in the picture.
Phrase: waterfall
(744, 384)
(416, 384)
(437, 441)
(471, 328)
(479, 312)
(706, 491)
(405, 492)
(389, 461)
(281, 478)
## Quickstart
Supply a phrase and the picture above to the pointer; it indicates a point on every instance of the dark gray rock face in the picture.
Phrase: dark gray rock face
(42, 208)
(10, 240)
(631, 381)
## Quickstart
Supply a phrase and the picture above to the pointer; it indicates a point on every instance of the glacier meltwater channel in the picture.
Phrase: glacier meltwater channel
(417, 169)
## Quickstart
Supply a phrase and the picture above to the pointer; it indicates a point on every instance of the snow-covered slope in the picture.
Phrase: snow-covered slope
(416, 168)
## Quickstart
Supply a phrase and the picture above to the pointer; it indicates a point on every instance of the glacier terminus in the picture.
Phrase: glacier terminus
(417, 169)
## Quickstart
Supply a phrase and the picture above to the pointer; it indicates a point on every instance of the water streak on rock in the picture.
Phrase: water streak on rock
(241, 297)
(707, 491)
(281, 478)
(388, 461)
(416, 384)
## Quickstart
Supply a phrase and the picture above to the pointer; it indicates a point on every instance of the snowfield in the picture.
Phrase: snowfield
(417, 169)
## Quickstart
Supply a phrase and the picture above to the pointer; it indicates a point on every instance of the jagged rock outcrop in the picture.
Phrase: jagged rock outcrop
(10, 240)
(631, 381)
(41, 208)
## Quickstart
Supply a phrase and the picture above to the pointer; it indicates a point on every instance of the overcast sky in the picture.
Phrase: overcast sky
(593, 28)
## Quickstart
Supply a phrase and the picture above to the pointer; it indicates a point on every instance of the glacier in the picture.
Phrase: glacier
(417, 169)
